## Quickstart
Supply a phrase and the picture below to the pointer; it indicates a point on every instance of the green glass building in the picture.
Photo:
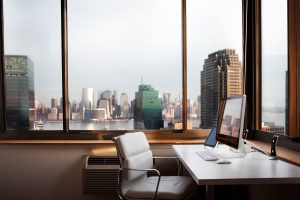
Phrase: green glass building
(19, 92)
(147, 109)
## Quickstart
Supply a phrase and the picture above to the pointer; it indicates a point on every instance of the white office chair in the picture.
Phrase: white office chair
(136, 160)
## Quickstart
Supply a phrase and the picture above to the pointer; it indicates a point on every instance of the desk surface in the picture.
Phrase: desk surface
(255, 168)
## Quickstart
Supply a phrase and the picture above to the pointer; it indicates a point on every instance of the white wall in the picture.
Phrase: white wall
(44, 171)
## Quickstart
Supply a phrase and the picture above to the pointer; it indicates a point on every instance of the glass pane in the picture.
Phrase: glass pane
(215, 46)
(125, 64)
(32, 43)
(274, 65)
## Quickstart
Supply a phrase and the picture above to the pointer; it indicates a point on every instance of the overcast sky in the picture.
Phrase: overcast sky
(274, 52)
(113, 43)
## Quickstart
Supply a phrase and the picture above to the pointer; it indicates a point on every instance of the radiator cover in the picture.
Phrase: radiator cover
(100, 174)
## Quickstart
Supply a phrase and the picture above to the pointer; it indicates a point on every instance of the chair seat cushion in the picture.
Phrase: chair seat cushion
(170, 187)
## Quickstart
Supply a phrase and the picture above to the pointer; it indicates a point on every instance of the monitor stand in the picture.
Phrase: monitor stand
(243, 148)
(230, 152)
(242, 151)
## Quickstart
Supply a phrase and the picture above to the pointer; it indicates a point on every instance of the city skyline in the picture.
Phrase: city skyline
(105, 105)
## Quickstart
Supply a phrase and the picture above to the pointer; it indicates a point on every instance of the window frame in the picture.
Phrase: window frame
(293, 71)
(254, 74)
(2, 86)
(251, 52)
(66, 133)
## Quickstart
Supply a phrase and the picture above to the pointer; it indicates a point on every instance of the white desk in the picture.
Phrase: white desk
(255, 168)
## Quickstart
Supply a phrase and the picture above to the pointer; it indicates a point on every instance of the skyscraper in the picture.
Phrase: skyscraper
(115, 101)
(106, 95)
(105, 104)
(74, 106)
(222, 76)
(88, 98)
(147, 109)
(166, 99)
(19, 83)
(124, 104)
(54, 103)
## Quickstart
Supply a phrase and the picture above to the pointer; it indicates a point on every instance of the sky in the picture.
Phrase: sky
(274, 53)
(114, 44)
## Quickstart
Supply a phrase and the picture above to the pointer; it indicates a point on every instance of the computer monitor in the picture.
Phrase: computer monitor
(211, 139)
(231, 122)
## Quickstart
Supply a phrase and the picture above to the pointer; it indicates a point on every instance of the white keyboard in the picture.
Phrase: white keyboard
(227, 155)
(207, 155)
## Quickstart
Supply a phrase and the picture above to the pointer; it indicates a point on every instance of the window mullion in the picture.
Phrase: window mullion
(2, 86)
(64, 37)
(184, 67)
(293, 109)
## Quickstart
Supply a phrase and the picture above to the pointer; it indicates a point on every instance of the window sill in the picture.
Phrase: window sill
(283, 153)
(56, 137)
(164, 141)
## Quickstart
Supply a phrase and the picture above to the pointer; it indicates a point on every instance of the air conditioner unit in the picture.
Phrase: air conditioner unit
(100, 174)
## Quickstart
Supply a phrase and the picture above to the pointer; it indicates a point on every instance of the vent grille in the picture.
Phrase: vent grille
(103, 161)
(100, 174)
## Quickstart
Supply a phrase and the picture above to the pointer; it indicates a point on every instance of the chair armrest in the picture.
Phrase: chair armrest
(129, 169)
(145, 170)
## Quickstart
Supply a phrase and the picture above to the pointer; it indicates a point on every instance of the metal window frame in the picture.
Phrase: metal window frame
(2, 82)
(66, 133)
(293, 71)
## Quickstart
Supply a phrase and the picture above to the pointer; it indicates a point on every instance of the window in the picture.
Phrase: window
(120, 65)
(125, 64)
(32, 58)
(274, 66)
(214, 58)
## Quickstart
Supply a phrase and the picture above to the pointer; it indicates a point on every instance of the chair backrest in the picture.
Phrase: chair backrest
(134, 152)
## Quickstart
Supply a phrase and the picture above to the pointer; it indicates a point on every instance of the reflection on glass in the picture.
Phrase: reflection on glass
(32, 65)
(274, 65)
(214, 33)
(125, 64)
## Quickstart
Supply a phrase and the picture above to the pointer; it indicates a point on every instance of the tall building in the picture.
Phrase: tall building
(88, 98)
(199, 107)
(166, 99)
(106, 95)
(42, 114)
(222, 76)
(103, 103)
(54, 103)
(124, 104)
(178, 110)
(19, 84)
(192, 107)
(53, 114)
(115, 101)
(61, 102)
(147, 109)
(74, 106)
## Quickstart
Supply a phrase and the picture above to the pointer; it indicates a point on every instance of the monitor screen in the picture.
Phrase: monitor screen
(211, 139)
(231, 120)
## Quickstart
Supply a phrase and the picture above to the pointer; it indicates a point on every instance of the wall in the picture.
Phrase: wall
(51, 171)
(44, 171)
(54, 172)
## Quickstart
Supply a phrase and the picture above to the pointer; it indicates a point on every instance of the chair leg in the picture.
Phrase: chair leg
(179, 168)
(119, 189)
